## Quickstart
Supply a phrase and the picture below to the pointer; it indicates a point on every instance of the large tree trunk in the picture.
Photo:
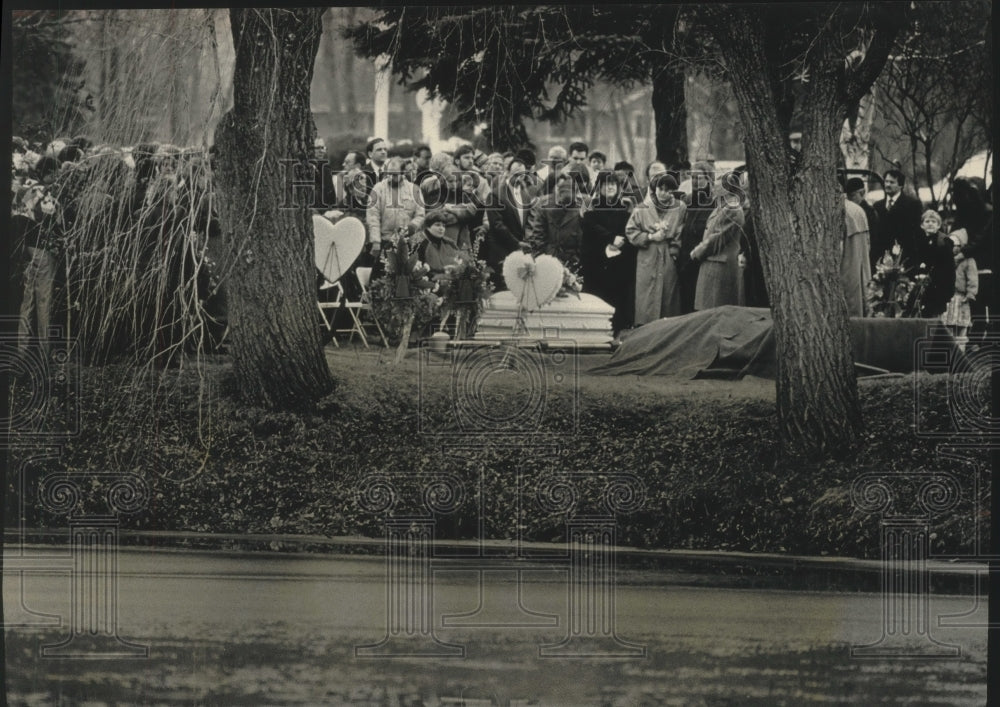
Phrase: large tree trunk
(670, 115)
(799, 215)
(274, 331)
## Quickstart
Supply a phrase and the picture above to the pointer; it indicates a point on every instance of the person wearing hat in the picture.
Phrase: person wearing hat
(718, 273)
(654, 228)
(958, 315)
(439, 249)
(855, 189)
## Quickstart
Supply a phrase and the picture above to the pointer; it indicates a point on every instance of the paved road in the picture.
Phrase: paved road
(260, 629)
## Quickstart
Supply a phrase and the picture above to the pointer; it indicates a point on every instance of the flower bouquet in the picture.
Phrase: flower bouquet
(895, 291)
(572, 283)
(404, 295)
(465, 288)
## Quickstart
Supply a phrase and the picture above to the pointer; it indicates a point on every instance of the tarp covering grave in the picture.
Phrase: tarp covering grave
(732, 342)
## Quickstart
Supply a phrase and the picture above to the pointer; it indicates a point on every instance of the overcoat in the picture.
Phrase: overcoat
(718, 276)
(657, 293)
(855, 267)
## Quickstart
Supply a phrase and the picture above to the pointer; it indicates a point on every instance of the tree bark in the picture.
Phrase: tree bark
(799, 215)
(855, 136)
(350, 75)
(275, 337)
(670, 115)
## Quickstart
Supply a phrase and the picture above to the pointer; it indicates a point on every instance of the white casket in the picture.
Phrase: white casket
(586, 321)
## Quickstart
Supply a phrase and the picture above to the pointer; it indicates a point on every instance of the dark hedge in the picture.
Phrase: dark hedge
(705, 453)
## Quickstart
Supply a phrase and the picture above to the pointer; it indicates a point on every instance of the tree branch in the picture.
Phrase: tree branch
(887, 24)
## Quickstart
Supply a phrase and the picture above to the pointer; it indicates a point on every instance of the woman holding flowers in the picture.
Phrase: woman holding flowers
(654, 228)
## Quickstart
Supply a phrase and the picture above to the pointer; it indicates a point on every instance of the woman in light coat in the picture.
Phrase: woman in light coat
(718, 274)
(654, 228)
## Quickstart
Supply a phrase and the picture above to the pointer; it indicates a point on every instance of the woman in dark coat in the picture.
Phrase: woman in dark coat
(700, 208)
(718, 275)
(608, 276)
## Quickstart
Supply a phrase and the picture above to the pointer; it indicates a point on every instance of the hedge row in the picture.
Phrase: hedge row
(706, 462)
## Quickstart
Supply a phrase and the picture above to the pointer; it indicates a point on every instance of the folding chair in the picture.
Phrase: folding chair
(333, 304)
(358, 308)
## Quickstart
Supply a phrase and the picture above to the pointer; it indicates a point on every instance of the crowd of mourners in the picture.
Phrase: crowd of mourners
(111, 242)
(666, 241)
(654, 244)
(658, 242)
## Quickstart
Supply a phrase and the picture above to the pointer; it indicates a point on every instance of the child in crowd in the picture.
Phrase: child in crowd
(934, 252)
(957, 315)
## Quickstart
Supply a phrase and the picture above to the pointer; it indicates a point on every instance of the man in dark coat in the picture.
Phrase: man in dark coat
(899, 214)
(508, 218)
(555, 225)
(377, 153)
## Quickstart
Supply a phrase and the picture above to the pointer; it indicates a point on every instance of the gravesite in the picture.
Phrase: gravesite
(500, 355)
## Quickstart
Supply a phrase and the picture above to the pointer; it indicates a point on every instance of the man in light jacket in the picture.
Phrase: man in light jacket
(394, 203)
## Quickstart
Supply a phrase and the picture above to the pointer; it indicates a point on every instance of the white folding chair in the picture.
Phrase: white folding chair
(333, 304)
(359, 308)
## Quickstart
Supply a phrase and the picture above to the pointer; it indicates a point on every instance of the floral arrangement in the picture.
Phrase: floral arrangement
(465, 288)
(895, 291)
(572, 283)
(404, 296)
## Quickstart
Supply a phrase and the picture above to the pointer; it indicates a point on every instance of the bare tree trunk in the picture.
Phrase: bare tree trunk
(628, 135)
(670, 115)
(350, 94)
(620, 139)
(328, 44)
(855, 137)
(276, 346)
(929, 173)
(799, 216)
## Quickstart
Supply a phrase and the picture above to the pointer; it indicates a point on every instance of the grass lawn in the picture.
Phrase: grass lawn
(503, 439)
